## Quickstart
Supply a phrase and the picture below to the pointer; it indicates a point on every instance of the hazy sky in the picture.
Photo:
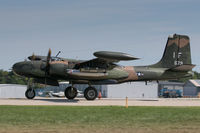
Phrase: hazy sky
(80, 27)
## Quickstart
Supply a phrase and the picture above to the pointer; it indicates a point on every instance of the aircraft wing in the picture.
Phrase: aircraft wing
(105, 59)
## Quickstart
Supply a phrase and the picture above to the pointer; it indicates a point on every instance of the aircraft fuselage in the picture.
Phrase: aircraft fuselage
(63, 71)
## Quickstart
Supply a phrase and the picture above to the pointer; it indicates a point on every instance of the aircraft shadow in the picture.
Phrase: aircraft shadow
(59, 100)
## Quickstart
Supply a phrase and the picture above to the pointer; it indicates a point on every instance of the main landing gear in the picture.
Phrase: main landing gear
(71, 92)
(90, 93)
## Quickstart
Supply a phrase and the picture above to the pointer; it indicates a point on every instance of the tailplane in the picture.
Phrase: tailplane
(177, 53)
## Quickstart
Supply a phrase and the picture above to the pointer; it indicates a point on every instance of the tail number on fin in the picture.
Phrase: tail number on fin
(178, 63)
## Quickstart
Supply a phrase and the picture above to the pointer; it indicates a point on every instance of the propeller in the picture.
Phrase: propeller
(47, 68)
(32, 57)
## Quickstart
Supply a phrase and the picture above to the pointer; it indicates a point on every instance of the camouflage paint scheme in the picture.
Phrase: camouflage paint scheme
(175, 64)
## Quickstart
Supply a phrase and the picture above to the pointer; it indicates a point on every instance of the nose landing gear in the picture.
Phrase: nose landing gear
(30, 93)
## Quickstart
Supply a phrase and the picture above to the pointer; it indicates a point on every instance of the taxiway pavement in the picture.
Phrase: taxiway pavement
(104, 102)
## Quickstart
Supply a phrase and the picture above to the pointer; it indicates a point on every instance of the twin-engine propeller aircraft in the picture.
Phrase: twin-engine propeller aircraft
(175, 64)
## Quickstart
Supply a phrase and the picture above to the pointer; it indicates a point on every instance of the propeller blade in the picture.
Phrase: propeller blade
(49, 55)
(48, 60)
(47, 69)
(33, 57)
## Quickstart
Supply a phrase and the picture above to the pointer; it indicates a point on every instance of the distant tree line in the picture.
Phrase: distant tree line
(8, 77)
(195, 76)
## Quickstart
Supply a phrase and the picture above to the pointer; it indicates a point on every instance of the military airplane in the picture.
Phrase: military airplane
(174, 64)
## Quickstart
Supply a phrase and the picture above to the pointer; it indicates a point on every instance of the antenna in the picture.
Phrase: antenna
(58, 53)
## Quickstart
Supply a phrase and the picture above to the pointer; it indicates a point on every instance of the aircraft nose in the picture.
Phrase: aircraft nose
(23, 68)
(17, 67)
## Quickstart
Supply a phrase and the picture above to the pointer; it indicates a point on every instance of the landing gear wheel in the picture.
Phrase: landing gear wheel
(90, 93)
(30, 93)
(70, 92)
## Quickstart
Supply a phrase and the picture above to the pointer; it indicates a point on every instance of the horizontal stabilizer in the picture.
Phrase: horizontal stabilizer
(183, 68)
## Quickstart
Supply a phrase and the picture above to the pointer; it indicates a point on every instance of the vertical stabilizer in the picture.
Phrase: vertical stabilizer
(177, 52)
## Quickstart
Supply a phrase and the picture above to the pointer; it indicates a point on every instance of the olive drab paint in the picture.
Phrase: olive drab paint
(177, 52)
(175, 64)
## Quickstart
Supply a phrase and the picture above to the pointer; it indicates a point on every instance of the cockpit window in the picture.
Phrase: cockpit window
(56, 59)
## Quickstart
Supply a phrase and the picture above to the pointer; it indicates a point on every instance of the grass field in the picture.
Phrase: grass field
(111, 119)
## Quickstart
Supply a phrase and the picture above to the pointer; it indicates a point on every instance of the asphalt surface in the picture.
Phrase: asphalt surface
(104, 102)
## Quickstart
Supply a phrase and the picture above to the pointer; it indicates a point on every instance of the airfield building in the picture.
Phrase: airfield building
(192, 88)
(133, 90)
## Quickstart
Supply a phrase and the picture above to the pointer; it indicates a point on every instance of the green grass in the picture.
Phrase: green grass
(106, 119)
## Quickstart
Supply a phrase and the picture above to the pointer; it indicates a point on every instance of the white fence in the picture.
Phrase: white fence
(12, 91)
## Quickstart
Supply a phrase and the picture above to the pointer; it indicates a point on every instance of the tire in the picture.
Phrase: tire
(90, 93)
(30, 93)
(70, 92)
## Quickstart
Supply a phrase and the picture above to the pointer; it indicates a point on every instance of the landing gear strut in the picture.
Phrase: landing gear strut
(90, 93)
(70, 92)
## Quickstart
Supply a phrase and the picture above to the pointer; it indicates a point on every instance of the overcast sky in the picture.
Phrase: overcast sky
(80, 27)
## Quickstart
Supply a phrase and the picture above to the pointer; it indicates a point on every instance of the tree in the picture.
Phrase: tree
(10, 78)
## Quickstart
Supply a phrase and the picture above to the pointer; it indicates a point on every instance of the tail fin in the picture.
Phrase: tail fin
(177, 52)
